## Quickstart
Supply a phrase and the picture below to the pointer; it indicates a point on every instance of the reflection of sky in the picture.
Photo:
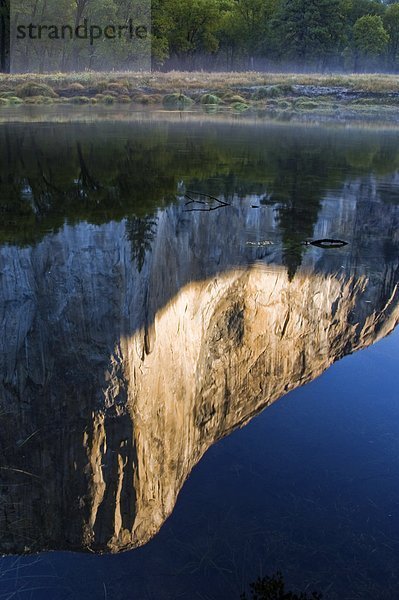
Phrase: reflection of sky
(310, 487)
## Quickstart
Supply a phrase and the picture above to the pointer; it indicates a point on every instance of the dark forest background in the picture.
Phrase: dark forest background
(319, 35)
(4, 35)
(280, 35)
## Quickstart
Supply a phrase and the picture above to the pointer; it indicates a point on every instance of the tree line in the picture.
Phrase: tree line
(319, 35)
(351, 35)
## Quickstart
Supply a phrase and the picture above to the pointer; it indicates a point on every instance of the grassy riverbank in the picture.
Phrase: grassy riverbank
(278, 92)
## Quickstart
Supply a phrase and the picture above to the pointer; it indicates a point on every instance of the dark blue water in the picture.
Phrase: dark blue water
(310, 487)
(172, 329)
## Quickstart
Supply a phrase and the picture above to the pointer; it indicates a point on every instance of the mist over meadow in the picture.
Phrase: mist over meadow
(222, 35)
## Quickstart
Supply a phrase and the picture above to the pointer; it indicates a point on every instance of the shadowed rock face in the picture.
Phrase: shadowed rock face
(116, 377)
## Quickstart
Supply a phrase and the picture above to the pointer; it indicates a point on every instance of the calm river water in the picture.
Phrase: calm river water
(196, 389)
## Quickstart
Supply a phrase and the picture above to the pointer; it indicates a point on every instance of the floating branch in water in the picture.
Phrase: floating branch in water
(220, 204)
(326, 243)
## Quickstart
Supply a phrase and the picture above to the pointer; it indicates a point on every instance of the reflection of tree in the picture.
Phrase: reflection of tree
(273, 588)
(299, 185)
(41, 186)
(113, 173)
(140, 233)
(86, 182)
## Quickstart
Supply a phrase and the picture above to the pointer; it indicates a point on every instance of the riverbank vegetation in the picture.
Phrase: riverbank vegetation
(239, 92)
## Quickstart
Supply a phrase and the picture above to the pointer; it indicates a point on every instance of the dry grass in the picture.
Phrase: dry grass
(351, 97)
(175, 81)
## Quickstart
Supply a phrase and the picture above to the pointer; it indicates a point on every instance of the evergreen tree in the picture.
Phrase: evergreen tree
(310, 30)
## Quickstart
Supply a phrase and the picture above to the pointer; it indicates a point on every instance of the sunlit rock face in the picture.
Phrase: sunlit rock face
(117, 374)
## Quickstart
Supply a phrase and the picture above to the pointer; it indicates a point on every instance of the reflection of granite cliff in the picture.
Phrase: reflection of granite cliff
(114, 382)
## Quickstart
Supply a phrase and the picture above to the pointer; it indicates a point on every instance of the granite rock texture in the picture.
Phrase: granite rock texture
(115, 379)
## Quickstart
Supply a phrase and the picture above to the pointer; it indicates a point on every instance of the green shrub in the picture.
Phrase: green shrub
(107, 99)
(266, 92)
(3, 102)
(176, 101)
(209, 99)
(15, 100)
(272, 91)
(32, 89)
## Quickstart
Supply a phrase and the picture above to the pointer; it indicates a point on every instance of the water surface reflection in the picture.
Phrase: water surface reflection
(136, 332)
(130, 347)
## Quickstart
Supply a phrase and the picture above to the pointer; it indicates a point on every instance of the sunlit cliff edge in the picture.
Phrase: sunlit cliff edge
(116, 380)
